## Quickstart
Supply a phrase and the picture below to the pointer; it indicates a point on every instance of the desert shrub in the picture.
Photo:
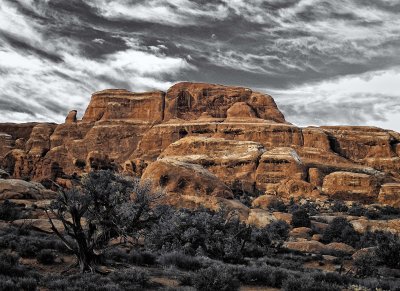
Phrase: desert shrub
(356, 209)
(372, 214)
(366, 265)
(9, 211)
(278, 205)
(308, 283)
(301, 218)
(371, 239)
(180, 260)
(214, 234)
(278, 230)
(261, 275)
(104, 203)
(27, 284)
(389, 210)
(215, 278)
(339, 206)
(14, 276)
(129, 277)
(141, 258)
(46, 257)
(388, 251)
(340, 230)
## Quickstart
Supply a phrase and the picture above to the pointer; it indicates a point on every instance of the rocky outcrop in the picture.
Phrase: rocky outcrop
(118, 104)
(206, 143)
(351, 186)
(390, 194)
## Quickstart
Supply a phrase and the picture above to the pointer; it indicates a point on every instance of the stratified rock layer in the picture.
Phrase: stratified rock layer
(206, 143)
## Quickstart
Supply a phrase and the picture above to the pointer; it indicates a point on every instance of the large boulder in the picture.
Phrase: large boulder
(186, 179)
(19, 189)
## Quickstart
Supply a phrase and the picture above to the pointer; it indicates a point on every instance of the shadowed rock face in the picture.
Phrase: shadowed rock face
(205, 142)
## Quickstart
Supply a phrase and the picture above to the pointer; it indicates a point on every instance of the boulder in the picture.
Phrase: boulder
(19, 189)
(363, 225)
(260, 217)
(265, 201)
(185, 179)
(289, 188)
(300, 232)
(316, 247)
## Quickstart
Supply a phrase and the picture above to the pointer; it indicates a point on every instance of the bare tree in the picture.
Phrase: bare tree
(106, 206)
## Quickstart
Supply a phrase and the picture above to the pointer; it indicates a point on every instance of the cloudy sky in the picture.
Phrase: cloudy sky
(325, 62)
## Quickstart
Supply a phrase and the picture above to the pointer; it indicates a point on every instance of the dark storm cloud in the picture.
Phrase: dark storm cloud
(58, 52)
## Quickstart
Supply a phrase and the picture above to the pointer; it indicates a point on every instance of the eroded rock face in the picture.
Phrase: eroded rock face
(277, 165)
(233, 162)
(117, 104)
(390, 194)
(352, 186)
(211, 141)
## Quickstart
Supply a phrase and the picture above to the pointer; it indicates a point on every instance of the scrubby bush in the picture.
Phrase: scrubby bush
(356, 209)
(339, 206)
(366, 264)
(105, 204)
(388, 251)
(308, 283)
(46, 257)
(180, 260)
(9, 211)
(301, 218)
(340, 230)
(215, 279)
(128, 279)
(277, 205)
(218, 235)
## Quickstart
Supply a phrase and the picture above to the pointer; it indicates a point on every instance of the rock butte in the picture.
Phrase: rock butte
(205, 142)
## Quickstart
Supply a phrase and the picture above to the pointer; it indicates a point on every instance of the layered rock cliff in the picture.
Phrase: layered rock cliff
(206, 143)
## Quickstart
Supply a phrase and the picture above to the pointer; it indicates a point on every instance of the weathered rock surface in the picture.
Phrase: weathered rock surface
(19, 189)
(210, 141)
(352, 186)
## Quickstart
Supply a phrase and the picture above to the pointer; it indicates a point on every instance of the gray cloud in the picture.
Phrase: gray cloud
(58, 52)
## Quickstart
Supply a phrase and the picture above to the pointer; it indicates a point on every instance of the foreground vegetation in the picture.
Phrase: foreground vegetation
(116, 241)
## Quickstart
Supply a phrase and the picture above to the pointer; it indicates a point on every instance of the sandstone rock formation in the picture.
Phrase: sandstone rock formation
(206, 143)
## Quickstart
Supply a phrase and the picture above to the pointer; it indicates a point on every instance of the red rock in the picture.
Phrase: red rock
(71, 117)
(390, 194)
(189, 100)
(119, 104)
(276, 165)
(351, 186)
